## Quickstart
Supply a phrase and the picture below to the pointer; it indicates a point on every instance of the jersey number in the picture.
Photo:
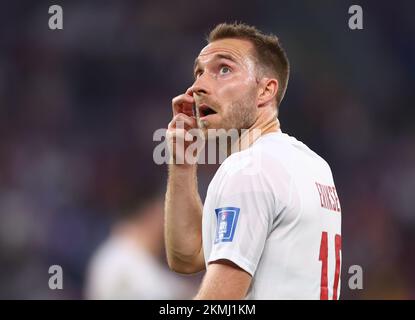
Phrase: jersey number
(324, 292)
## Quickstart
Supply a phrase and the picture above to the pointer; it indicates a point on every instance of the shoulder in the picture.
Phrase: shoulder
(290, 152)
(253, 168)
(258, 160)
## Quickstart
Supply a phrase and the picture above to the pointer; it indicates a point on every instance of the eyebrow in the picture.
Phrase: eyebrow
(217, 56)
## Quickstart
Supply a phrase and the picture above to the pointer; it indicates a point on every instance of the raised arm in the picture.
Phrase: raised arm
(183, 206)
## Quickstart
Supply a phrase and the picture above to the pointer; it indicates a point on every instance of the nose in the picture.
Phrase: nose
(200, 87)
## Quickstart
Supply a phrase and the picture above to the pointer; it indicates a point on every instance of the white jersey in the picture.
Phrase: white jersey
(121, 269)
(273, 210)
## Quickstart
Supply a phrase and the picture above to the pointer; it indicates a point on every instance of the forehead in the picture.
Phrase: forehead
(238, 48)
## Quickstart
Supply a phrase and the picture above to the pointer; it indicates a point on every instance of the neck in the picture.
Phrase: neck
(266, 123)
(137, 234)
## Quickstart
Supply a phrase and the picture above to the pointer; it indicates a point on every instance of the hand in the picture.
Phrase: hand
(178, 136)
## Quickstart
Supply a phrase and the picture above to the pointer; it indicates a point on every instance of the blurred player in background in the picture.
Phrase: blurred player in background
(128, 264)
(274, 234)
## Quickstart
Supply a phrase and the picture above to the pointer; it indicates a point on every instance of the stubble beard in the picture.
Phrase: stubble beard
(240, 115)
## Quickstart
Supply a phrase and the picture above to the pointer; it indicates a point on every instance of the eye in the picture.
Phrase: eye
(224, 70)
(198, 73)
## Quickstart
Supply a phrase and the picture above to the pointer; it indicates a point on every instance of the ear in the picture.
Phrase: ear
(268, 88)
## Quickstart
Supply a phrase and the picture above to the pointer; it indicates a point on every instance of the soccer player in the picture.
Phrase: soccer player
(270, 227)
(127, 264)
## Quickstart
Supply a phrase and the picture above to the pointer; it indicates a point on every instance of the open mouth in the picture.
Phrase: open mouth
(206, 111)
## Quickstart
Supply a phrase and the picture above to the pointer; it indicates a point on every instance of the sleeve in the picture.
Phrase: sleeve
(244, 211)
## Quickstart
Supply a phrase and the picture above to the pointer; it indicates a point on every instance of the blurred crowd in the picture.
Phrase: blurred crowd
(79, 106)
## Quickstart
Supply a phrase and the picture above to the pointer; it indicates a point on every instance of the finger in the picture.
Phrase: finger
(183, 104)
(182, 120)
(178, 138)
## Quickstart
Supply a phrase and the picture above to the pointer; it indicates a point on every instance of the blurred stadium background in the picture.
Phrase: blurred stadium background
(78, 109)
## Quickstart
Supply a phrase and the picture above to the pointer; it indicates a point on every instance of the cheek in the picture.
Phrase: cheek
(235, 89)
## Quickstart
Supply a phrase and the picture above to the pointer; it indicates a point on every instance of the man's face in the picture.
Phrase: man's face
(225, 87)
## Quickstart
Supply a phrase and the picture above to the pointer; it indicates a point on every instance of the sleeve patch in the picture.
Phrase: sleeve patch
(227, 219)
